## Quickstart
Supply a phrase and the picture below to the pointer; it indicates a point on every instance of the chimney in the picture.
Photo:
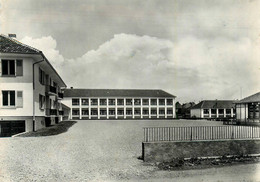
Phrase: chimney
(12, 35)
(71, 87)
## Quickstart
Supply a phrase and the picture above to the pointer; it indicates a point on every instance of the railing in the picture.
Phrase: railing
(51, 112)
(194, 133)
(51, 89)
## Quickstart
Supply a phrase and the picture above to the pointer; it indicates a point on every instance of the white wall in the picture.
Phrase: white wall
(195, 112)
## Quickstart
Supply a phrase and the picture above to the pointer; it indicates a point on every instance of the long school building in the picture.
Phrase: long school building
(119, 104)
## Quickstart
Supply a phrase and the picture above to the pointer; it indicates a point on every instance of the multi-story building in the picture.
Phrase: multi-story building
(119, 104)
(247, 110)
(214, 109)
(30, 88)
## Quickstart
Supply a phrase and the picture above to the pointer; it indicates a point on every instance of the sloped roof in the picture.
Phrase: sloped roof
(115, 93)
(251, 98)
(9, 45)
(211, 104)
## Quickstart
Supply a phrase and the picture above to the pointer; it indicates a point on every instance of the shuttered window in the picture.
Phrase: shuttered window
(19, 67)
(19, 98)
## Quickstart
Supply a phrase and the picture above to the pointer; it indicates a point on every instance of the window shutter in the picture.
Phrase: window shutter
(19, 98)
(19, 67)
(0, 67)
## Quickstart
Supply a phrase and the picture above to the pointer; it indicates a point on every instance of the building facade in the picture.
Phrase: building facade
(247, 109)
(119, 104)
(30, 89)
(213, 109)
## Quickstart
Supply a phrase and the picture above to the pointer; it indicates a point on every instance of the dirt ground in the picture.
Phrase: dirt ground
(102, 151)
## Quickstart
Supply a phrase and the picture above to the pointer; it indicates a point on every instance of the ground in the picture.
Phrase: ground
(102, 151)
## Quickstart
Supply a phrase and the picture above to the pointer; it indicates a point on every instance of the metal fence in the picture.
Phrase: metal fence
(194, 133)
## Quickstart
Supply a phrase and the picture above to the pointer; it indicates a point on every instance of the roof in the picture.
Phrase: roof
(251, 98)
(211, 104)
(9, 45)
(115, 93)
(64, 106)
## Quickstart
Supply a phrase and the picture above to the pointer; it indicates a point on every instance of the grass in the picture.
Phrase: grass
(52, 130)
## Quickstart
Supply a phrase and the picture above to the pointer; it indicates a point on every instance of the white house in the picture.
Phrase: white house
(247, 110)
(30, 88)
(213, 109)
(119, 103)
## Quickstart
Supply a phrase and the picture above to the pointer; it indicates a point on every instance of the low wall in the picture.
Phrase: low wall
(166, 151)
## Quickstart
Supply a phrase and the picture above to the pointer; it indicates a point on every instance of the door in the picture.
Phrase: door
(9, 128)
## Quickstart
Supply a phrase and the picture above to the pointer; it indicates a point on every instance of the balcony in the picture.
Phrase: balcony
(51, 90)
(60, 95)
(51, 112)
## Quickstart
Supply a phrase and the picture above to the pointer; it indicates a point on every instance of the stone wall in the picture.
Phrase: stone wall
(166, 151)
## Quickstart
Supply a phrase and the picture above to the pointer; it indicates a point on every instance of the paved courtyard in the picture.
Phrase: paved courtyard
(101, 151)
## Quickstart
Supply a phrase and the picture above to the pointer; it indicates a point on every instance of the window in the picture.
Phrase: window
(111, 111)
(161, 111)
(84, 111)
(8, 98)
(145, 111)
(161, 102)
(94, 112)
(8, 67)
(213, 111)
(75, 102)
(103, 102)
(41, 76)
(221, 111)
(75, 112)
(137, 111)
(120, 112)
(205, 111)
(128, 101)
(145, 102)
(169, 101)
(137, 102)
(129, 111)
(94, 102)
(84, 102)
(169, 111)
(41, 101)
(228, 111)
(103, 112)
(120, 102)
(153, 111)
(153, 102)
(111, 102)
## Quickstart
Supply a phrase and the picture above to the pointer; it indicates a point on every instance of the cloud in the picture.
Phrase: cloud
(191, 68)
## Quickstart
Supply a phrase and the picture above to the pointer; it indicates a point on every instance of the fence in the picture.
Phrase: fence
(193, 133)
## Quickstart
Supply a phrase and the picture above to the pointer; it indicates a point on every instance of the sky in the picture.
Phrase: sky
(195, 50)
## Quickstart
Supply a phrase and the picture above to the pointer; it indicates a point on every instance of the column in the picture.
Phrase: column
(116, 107)
(225, 113)
(232, 112)
(107, 109)
(98, 107)
(217, 113)
(89, 108)
(141, 99)
(157, 106)
(149, 107)
(165, 112)
(80, 114)
(210, 113)
(124, 108)
(133, 109)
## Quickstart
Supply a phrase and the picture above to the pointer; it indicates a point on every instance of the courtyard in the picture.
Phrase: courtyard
(102, 150)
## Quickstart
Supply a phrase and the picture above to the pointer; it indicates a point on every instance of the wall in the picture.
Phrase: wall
(166, 151)
(241, 112)
(195, 112)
